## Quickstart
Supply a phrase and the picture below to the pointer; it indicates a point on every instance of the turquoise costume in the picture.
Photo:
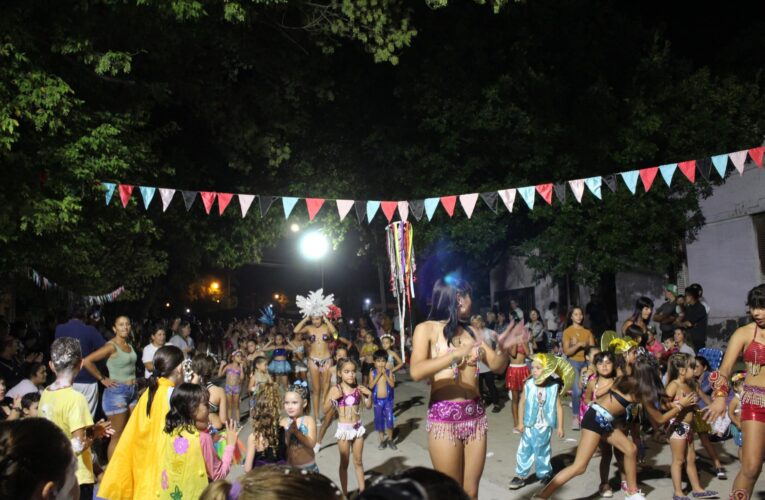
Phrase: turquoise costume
(540, 417)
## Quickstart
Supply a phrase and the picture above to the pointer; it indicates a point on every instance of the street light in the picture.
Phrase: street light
(215, 286)
(294, 228)
(314, 246)
(276, 296)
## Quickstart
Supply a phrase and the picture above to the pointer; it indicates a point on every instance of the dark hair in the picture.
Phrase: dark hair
(703, 361)
(676, 362)
(29, 399)
(203, 365)
(383, 488)
(184, 402)
(275, 482)
(259, 359)
(693, 291)
(166, 359)
(648, 386)
(436, 484)
(641, 303)
(380, 354)
(30, 369)
(32, 451)
(635, 332)
(553, 305)
(589, 349)
(343, 361)
(444, 304)
(570, 315)
(602, 356)
(78, 310)
(755, 299)
(183, 324)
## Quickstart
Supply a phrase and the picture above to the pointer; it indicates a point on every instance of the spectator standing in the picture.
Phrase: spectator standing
(538, 331)
(182, 340)
(515, 311)
(10, 371)
(90, 341)
(680, 344)
(485, 375)
(695, 319)
(576, 338)
(666, 314)
(552, 321)
(157, 340)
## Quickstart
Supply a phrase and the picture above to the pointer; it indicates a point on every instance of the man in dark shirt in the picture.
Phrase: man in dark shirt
(10, 371)
(695, 320)
(666, 314)
(90, 340)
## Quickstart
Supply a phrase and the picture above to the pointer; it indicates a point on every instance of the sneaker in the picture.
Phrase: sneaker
(382, 445)
(516, 431)
(680, 497)
(317, 448)
(392, 445)
(517, 483)
(575, 426)
(705, 494)
(638, 495)
(606, 491)
(721, 474)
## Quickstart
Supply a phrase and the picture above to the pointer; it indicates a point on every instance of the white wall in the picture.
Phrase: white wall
(631, 285)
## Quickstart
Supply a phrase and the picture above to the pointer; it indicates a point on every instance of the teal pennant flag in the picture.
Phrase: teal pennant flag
(630, 179)
(594, 184)
(721, 163)
(147, 193)
(527, 193)
(667, 171)
(288, 203)
(372, 208)
(430, 206)
(110, 187)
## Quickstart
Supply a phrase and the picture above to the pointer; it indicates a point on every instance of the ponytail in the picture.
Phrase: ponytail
(166, 360)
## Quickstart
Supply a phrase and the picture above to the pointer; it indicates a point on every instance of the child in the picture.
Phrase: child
(381, 382)
(69, 410)
(347, 397)
(734, 410)
(597, 388)
(557, 350)
(188, 450)
(699, 425)
(516, 374)
(299, 429)
(589, 372)
(340, 353)
(259, 377)
(29, 404)
(233, 371)
(540, 411)
(266, 443)
(367, 352)
(393, 361)
(279, 367)
(681, 383)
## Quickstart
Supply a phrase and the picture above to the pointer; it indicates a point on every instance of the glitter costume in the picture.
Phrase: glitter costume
(540, 417)
(383, 407)
(457, 420)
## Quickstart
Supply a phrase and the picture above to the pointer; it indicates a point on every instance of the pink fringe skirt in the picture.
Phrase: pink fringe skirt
(457, 420)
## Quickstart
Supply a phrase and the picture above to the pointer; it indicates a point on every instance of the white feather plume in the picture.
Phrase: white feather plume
(316, 304)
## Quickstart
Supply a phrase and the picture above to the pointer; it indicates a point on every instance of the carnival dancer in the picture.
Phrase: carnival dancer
(381, 382)
(394, 361)
(340, 353)
(299, 428)
(315, 308)
(446, 351)
(516, 375)
(348, 397)
(203, 366)
(279, 367)
(597, 388)
(748, 340)
(266, 445)
(234, 371)
(541, 411)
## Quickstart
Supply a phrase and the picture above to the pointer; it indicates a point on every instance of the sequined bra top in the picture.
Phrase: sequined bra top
(348, 400)
(280, 351)
(754, 355)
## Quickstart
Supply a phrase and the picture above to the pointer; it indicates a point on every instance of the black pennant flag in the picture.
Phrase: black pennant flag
(188, 198)
(265, 203)
(610, 181)
(490, 198)
(417, 207)
(705, 167)
(560, 191)
(361, 210)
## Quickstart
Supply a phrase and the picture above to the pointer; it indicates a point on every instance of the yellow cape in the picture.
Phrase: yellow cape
(134, 470)
(183, 474)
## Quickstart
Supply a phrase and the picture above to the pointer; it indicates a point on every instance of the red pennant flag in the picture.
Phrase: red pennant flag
(208, 198)
(314, 205)
(449, 202)
(389, 208)
(689, 169)
(223, 200)
(546, 192)
(756, 155)
(647, 175)
(125, 191)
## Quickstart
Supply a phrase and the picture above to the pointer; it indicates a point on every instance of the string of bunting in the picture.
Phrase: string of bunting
(368, 209)
(47, 284)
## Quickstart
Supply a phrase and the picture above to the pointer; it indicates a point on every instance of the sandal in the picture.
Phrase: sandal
(705, 494)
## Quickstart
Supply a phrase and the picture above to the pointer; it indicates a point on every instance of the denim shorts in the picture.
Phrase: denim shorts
(119, 399)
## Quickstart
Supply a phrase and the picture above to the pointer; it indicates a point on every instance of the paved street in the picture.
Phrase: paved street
(411, 406)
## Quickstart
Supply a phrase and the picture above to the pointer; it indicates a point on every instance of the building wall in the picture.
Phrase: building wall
(631, 285)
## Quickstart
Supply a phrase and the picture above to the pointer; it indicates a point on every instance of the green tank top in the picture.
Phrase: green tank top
(122, 366)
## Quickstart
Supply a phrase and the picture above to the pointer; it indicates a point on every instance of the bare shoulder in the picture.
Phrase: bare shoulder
(427, 328)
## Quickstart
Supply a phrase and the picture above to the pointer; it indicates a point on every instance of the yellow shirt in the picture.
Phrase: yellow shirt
(577, 335)
(69, 410)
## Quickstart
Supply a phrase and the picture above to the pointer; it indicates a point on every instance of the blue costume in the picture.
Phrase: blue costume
(383, 407)
(540, 417)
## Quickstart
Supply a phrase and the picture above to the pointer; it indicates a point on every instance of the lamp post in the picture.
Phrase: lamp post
(314, 246)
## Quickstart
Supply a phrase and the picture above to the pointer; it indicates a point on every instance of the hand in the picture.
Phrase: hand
(232, 431)
(715, 410)
(16, 402)
(108, 383)
(689, 400)
(102, 428)
(464, 350)
(561, 433)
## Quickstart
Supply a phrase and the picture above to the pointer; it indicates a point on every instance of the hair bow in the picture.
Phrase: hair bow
(301, 383)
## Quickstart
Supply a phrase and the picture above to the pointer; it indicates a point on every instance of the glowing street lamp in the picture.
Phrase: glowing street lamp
(314, 246)
(294, 227)
(215, 286)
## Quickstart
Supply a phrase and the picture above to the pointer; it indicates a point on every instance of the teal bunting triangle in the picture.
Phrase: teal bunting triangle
(667, 171)
(110, 187)
(527, 193)
(721, 164)
(289, 203)
(630, 179)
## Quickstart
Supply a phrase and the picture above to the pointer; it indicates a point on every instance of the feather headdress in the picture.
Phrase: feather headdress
(267, 316)
(316, 304)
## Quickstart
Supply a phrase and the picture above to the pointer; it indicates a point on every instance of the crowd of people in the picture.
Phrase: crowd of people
(154, 409)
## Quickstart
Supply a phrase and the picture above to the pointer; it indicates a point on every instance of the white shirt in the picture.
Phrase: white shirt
(552, 322)
(182, 343)
(148, 356)
(23, 388)
(490, 337)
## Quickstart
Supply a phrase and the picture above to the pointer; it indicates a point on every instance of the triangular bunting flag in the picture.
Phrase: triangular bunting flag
(738, 158)
(689, 169)
(418, 208)
(343, 207)
(577, 187)
(667, 171)
(265, 203)
(223, 200)
(449, 202)
(756, 155)
(208, 198)
(560, 191)
(188, 198)
(508, 198)
(125, 191)
(403, 210)
(372, 207)
(314, 205)
(647, 175)
(630, 179)
(527, 193)
(595, 184)
(167, 196)
(288, 202)
(468, 203)
(721, 164)
(705, 167)
(490, 198)
(610, 181)
(389, 209)
(361, 207)
(545, 191)
(245, 200)
(430, 207)
(147, 193)
(110, 187)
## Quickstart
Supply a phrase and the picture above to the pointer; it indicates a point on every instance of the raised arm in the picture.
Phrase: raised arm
(299, 327)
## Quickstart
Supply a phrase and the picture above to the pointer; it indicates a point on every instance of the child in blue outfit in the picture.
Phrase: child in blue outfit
(381, 383)
(540, 411)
